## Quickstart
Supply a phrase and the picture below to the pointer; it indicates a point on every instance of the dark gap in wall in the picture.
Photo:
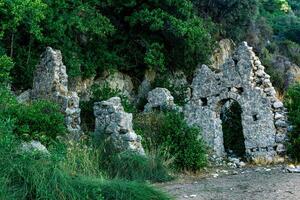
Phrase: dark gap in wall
(204, 101)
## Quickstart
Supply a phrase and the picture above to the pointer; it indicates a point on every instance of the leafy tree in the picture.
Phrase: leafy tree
(6, 65)
(98, 35)
(19, 27)
(233, 16)
(158, 34)
(76, 28)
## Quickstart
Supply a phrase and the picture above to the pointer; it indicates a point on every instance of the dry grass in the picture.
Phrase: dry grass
(262, 160)
(280, 95)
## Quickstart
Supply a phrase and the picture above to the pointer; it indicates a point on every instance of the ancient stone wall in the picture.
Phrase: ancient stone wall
(242, 78)
(115, 125)
(51, 83)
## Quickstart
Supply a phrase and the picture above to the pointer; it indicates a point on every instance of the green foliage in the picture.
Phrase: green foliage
(233, 129)
(233, 16)
(170, 132)
(154, 58)
(132, 166)
(40, 120)
(26, 14)
(291, 50)
(277, 79)
(98, 35)
(292, 102)
(122, 190)
(6, 65)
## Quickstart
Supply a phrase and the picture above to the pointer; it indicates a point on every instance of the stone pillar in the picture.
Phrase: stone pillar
(115, 125)
(51, 83)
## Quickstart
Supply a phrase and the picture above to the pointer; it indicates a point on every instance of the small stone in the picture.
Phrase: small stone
(242, 164)
(280, 148)
(261, 67)
(235, 172)
(215, 175)
(278, 104)
(34, 146)
(257, 63)
(260, 73)
(193, 196)
(281, 123)
(278, 116)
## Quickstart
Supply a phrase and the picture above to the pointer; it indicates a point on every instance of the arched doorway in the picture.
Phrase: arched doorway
(233, 137)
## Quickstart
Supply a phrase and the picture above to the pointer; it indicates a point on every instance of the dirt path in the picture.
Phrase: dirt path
(244, 184)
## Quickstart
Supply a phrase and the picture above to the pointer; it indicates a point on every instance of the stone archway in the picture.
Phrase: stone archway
(233, 137)
(243, 79)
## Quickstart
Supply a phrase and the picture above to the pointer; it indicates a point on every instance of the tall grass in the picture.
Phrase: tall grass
(132, 166)
(70, 175)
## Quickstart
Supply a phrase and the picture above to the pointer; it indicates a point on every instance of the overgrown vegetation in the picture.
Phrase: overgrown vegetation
(33, 121)
(132, 166)
(33, 175)
(292, 102)
(167, 131)
(130, 36)
(95, 36)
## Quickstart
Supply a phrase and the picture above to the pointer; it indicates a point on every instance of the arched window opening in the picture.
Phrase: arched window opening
(234, 141)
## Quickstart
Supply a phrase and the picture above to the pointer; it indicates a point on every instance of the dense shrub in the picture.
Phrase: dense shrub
(40, 120)
(169, 131)
(292, 102)
(6, 65)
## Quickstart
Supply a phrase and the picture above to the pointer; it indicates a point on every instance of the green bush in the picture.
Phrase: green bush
(170, 132)
(132, 166)
(6, 65)
(39, 120)
(292, 102)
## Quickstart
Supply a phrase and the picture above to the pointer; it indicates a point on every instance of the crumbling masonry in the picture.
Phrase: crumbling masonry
(51, 83)
(242, 78)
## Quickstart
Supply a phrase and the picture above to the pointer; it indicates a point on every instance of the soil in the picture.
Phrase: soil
(250, 183)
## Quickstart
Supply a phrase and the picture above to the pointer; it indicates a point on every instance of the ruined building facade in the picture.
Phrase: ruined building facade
(242, 79)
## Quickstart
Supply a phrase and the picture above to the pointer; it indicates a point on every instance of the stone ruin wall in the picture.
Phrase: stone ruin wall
(51, 83)
(242, 78)
(113, 124)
